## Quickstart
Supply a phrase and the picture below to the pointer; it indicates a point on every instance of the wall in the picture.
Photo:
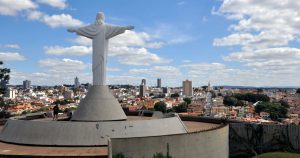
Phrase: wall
(206, 144)
(247, 140)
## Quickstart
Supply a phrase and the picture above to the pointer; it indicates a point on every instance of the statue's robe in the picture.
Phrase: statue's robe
(100, 34)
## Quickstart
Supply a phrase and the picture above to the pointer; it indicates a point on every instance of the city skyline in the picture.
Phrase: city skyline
(242, 43)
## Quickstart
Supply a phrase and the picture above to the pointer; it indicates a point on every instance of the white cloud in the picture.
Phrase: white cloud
(131, 48)
(169, 34)
(220, 74)
(280, 53)
(158, 71)
(186, 61)
(135, 56)
(264, 31)
(110, 69)
(275, 23)
(170, 75)
(68, 51)
(132, 38)
(277, 60)
(61, 4)
(55, 72)
(61, 20)
(262, 40)
(13, 46)
(80, 40)
(123, 79)
(11, 56)
(60, 71)
(63, 65)
(181, 3)
(34, 15)
(13, 7)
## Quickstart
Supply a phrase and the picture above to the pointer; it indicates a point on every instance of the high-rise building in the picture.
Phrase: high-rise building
(159, 83)
(26, 84)
(76, 82)
(10, 93)
(187, 88)
(144, 82)
(142, 90)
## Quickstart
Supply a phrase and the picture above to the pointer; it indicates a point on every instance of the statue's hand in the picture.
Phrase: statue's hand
(71, 30)
(130, 27)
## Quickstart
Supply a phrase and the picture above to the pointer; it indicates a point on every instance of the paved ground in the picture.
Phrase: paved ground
(199, 126)
(13, 149)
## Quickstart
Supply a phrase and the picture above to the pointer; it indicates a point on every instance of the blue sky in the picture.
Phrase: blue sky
(241, 42)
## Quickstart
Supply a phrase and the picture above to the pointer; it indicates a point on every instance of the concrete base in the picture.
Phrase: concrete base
(99, 105)
(71, 133)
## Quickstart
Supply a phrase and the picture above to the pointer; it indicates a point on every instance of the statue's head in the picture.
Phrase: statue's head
(100, 18)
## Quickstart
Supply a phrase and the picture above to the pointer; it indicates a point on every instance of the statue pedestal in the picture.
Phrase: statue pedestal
(99, 105)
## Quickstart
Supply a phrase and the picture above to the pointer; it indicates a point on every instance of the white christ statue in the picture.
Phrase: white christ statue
(100, 33)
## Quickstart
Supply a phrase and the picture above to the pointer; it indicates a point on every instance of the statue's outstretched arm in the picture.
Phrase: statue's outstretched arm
(129, 27)
(72, 30)
(112, 31)
(87, 31)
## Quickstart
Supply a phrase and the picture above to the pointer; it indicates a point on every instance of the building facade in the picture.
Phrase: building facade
(11, 93)
(159, 83)
(142, 90)
(187, 88)
(76, 82)
(26, 84)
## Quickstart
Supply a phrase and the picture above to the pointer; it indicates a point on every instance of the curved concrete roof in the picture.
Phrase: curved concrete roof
(70, 133)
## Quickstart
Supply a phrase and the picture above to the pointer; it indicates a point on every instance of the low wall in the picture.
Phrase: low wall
(247, 140)
(207, 144)
(207, 119)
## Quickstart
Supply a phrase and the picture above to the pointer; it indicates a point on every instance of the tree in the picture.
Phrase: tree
(182, 107)
(259, 90)
(160, 106)
(230, 101)
(175, 95)
(240, 103)
(252, 97)
(276, 110)
(161, 95)
(298, 91)
(284, 103)
(4, 114)
(187, 100)
(204, 87)
(4, 78)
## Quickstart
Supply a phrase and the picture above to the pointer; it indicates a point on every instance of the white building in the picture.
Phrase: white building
(11, 93)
